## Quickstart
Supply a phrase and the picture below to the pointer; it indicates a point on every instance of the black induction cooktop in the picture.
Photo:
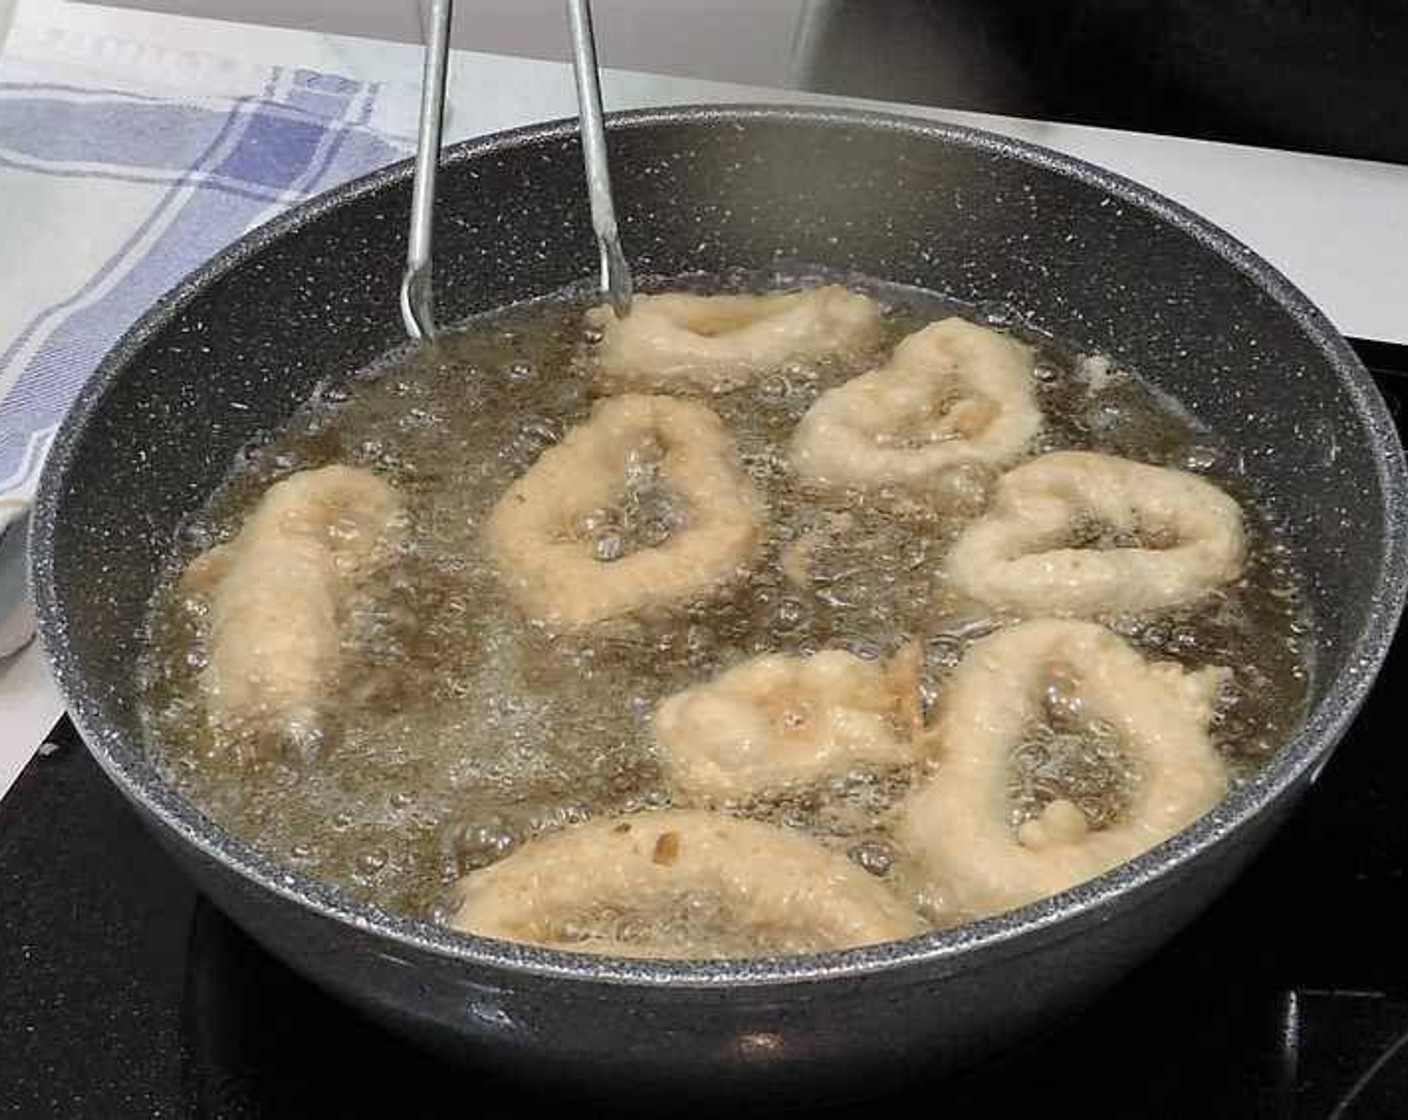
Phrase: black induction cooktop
(123, 993)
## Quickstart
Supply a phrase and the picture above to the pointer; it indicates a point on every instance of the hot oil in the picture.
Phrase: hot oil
(1069, 755)
(460, 731)
(699, 917)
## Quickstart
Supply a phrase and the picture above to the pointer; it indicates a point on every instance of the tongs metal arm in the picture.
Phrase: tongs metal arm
(615, 273)
(417, 296)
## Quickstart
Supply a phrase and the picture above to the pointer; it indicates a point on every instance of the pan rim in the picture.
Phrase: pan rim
(990, 939)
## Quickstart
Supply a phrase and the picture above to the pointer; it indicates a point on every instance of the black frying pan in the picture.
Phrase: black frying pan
(1078, 252)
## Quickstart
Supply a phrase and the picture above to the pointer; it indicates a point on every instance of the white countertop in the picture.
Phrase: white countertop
(1336, 227)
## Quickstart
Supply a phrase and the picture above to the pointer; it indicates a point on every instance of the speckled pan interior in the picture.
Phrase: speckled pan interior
(1086, 255)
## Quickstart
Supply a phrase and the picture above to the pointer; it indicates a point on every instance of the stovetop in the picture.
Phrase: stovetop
(123, 993)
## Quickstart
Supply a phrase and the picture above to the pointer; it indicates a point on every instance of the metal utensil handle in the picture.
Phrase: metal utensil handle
(417, 298)
(615, 272)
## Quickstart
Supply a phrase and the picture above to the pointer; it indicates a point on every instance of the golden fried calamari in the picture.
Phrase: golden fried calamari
(951, 394)
(776, 720)
(712, 343)
(540, 532)
(1177, 536)
(957, 825)
(277, 590)
(609, 885)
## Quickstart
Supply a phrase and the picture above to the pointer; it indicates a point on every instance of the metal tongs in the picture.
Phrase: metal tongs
(417, 295)
(615, 272)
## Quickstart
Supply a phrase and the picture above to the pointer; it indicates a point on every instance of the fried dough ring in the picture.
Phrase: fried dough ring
(713, 343)
(1012, 559)
(776, 719)
(549, 566)
(276, 591)
(952, 393)
(795, 891)
(956, 825)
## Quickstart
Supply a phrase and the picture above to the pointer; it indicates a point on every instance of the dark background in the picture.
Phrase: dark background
(1308, 75)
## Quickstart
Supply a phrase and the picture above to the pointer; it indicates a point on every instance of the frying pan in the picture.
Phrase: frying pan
(1092, 258)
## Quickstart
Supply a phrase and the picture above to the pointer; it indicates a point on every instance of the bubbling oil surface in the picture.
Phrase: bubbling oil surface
(461, 731)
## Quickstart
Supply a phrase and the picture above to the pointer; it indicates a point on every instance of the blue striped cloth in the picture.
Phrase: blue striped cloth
(111, 194)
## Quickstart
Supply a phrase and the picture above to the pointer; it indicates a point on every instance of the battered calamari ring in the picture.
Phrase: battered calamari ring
(790, 893)
(538, 532)
(957, 824)
(714, 343)
(1188, 537)
(275, 592)
(952, 393)
(777, 719)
